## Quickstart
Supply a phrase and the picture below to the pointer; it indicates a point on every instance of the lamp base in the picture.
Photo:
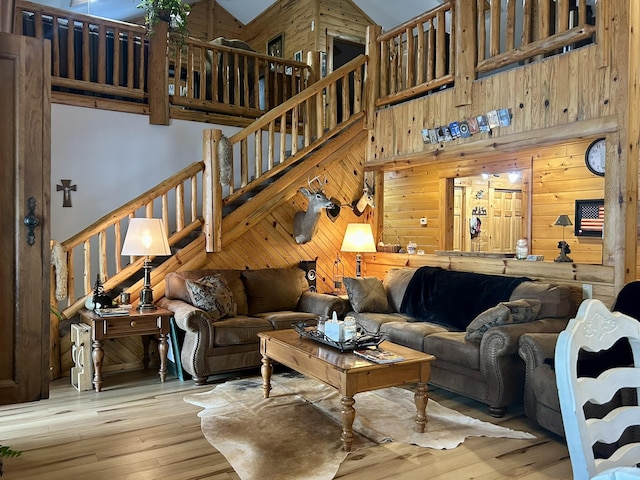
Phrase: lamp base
(146, 294)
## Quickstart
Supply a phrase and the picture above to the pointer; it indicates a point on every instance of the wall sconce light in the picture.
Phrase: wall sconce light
(563, 221)
(146, 237)
(358, 238)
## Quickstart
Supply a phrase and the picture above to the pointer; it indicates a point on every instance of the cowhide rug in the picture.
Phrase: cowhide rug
(295, 434)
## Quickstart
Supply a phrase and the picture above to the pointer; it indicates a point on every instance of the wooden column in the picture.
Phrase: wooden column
(7, 11)
(211, 190)
(158, 75)
(466, 50)
(313, 60)
(372, 80)
(621, 178)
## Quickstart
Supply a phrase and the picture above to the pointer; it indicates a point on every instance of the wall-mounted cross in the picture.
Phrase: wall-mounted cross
(66, 189)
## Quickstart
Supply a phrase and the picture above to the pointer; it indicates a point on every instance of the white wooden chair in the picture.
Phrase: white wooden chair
(594, 329)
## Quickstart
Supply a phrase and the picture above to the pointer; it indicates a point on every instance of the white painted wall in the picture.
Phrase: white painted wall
(113, 157)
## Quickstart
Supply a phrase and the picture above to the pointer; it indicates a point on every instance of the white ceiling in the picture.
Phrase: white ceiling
(387, 13)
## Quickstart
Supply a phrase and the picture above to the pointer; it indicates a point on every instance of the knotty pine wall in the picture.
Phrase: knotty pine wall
(208, 20)
(556, 113)
(550, 93)
(271, 243)
(293, 19)
(558, 177)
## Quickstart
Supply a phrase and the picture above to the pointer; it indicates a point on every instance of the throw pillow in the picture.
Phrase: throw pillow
(492, 317)
(212, 294)
(524, 310)
(367, 294)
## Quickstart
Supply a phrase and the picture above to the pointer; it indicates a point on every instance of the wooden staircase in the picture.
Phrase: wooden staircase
(191, 202)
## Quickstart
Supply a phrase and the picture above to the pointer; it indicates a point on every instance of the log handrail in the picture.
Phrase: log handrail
(181, 218)
(417, 57)
(305, 120)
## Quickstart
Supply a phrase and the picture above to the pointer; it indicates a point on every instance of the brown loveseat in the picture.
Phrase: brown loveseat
(266, 299)
(479, 362)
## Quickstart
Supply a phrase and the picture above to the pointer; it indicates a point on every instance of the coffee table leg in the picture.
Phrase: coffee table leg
(348, 415)
(421, 399)
(266, 369)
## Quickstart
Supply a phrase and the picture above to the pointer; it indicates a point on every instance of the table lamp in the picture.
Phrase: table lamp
(563, 221)
(146, 237)
(358, 238)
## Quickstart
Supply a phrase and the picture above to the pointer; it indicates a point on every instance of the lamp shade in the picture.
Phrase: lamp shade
(146, 237)
(358, 238)
(563, 221)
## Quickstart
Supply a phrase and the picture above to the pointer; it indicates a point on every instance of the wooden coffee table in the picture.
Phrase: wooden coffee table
(346, 372)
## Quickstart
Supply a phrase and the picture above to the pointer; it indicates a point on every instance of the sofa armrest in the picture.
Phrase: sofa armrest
(504, 340)
(323, 304)
(535, 348)
(503, 370)
(198, 337)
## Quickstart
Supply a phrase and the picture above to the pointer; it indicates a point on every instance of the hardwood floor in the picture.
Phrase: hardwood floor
(138, 428)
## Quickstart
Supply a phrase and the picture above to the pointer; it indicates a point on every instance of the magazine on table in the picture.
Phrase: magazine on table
(113, 312)
(378, 355)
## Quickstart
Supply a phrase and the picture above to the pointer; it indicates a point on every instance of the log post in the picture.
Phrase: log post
(466, 50)
(313, 60)
(212, 191)
(622, 150)
(157, 75)
(372, 78)
(7, 15)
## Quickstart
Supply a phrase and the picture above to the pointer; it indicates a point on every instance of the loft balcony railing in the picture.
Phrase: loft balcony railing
(455, 43)
(227, 80)
(89, 54)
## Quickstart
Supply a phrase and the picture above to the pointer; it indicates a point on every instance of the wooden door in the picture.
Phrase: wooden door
(25, 146)
(505, 220)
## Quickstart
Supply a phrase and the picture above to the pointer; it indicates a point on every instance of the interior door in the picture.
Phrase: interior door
(506, 219)
(25, 144)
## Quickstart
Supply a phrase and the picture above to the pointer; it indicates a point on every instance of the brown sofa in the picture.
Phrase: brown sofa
(266, 299)
(486, 369)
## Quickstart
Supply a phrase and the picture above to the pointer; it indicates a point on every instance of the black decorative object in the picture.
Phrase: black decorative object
(362, 339)
(100, 298)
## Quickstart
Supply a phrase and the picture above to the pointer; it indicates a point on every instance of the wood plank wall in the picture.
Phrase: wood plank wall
(546, 94)
(208, 20)
(573, 276)
(558, 178)
(271, 243)
(341, 16)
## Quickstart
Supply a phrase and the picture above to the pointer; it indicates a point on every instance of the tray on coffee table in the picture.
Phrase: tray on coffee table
(362, 339)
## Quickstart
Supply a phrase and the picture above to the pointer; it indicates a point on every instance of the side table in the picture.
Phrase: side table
(135, 322)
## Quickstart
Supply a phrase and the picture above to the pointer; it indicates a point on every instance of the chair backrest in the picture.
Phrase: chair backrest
(594, 329)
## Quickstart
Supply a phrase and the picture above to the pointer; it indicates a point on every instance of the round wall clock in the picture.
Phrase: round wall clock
(594, 157)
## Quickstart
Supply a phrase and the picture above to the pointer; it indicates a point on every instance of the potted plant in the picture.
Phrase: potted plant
(7, 452)
(172, 11)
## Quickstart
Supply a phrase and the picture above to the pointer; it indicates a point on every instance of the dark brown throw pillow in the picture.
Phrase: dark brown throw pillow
(524, 310)
(492, 317)
(367, 294)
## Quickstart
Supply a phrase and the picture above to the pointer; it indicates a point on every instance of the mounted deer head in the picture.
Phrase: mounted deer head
(305, 223)
(367, 198)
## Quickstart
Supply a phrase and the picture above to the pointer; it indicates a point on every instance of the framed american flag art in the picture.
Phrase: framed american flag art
(589, 218)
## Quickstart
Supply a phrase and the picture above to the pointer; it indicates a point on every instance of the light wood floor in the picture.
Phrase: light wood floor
(138, 428)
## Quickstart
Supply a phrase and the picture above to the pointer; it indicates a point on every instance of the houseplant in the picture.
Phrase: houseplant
(7, 452)
(172, 11)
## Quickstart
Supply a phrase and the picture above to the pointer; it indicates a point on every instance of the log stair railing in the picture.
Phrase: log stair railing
(191, 200)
